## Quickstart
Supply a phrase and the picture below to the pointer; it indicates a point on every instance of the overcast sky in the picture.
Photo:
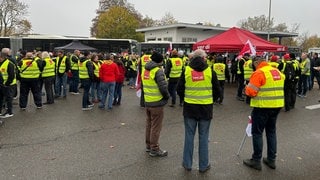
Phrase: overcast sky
(73, 17)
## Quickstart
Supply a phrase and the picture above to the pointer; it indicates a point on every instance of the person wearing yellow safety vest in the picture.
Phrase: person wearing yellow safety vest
(7, 72)
(211, 59)
(145, 58)
(247, 70)
(131, 67)
(267, 98)
(74, 80)
(62, 67)
(95, 84)
(290, 82)
(30, 71)
(86, 76)
(156, 95)
(240, 75)
(305, 73)
(200, 86)
(48, 76)
(222, 72)
(173, 71)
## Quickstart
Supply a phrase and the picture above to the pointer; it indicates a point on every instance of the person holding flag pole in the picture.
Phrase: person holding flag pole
(267, 98)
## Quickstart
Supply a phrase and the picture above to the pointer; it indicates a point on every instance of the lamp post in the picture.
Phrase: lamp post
(269, 20)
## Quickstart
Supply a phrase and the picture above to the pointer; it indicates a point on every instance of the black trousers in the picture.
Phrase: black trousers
(25, 87)
(6, 96)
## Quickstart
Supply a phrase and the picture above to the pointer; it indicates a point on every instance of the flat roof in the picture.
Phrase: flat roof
(215, 28)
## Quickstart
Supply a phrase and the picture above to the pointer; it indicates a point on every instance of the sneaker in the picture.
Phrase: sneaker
(270, 163)
(158, 153)
(39, 107)
(148, 149)
(22, 109)
(90, 105)
(6, 115)
(253, 164)
(240, 98)
(205, 170)
(86, 108)
(171, 105)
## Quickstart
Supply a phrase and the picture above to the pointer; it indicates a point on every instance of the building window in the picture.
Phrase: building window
(189, 39)
(159, 39)
(167, 39)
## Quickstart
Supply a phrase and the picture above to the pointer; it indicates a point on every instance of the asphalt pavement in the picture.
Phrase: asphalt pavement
(60, 141)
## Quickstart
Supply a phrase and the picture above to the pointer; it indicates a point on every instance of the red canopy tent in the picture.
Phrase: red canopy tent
(234, 39)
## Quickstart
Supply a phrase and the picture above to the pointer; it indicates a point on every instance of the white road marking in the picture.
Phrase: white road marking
(312, 107)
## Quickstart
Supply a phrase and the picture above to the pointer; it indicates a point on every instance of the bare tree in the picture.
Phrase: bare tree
(12, 14)
(166, 20)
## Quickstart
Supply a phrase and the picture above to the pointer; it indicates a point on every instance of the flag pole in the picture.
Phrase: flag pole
(242, 143)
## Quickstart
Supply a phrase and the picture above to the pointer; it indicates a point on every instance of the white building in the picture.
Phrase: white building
(184, 32)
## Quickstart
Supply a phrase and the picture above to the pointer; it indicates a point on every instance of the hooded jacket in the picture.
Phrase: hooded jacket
(162, 85)
(198, 111)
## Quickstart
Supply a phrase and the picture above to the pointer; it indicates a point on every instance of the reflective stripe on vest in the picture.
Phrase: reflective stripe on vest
(62, 67)
(74, 65)
(247, 69)
(150, 87)
(96, 68)
(198, 86)
(271, 94)
(303, 65)
(31, 69)
(176, 69)
(220, 68)
(48, 70)
(4, 72)
(83, 70)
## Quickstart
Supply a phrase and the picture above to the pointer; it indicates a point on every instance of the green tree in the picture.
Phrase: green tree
(118, 23)
(307, 41)
(12, 13)
(105, 5)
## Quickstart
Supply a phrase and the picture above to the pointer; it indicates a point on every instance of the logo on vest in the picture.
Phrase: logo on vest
(146, 75)
(146, 59)
(197, 76)
(178, 63)
(275, 75)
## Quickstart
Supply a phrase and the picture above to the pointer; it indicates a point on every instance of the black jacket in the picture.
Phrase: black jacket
(198, 111)
(162, 85)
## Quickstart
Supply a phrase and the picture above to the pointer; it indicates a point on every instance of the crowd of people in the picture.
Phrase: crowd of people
(198, 79)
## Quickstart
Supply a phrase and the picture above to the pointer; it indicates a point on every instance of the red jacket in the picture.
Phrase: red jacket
(108, 71)
(121, 75)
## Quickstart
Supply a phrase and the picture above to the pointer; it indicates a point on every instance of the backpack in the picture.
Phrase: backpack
(289, 71)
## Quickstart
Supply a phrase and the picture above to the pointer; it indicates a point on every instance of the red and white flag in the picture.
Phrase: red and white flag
(138, 84)
(247, 48)
(249, 127)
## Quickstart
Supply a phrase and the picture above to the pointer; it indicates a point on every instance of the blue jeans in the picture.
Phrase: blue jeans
(172, 88)
(107, 89)
(118, 92)
(303, 84)
(132, 81)
(74, 81)
(95, 91)
(190, 126)
(86, 83)
(264, 118)
(61, 81)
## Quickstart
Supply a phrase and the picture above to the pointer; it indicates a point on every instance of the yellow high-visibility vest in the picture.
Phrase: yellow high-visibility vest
(198, 86)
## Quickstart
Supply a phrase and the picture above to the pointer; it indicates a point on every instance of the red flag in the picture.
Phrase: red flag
(138, 84)
(247, 48)
(249, 127)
